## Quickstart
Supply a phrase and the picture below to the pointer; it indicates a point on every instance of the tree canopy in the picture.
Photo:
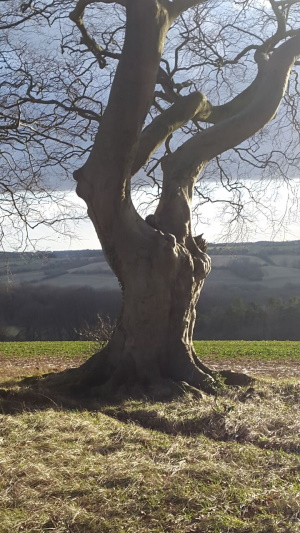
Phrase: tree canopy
(58, 63)
(151, 91)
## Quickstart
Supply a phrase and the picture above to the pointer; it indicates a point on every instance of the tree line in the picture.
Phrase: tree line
(276, 319)
(32, 313)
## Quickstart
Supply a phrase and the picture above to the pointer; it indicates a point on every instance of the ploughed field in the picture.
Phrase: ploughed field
(228, 463)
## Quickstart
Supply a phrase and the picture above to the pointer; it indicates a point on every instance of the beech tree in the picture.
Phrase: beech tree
(164, 52)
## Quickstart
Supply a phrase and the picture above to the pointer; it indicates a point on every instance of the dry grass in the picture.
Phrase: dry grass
(226, 464)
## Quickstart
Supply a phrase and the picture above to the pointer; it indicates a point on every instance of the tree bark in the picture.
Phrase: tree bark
(152, 344)
(160, 266)
(160, 269)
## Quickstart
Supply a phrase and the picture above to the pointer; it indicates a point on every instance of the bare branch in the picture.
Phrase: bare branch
(77, 17)
(78, 11)
(19, 21)
(234, 130)
(86, 113)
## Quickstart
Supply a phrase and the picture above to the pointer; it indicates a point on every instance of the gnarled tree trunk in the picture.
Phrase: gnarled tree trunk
(161, 281)
(161, 269)
(160, 266)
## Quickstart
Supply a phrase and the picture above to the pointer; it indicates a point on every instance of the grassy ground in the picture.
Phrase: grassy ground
(47, 349)
(218, 349)
(225, 464)
(267, 358)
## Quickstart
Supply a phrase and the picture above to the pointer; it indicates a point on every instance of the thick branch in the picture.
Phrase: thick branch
(194, 106)
(214, 114)
(209, 113)
(236, 129)
(132, 90)
(179, 6)
(184, 109)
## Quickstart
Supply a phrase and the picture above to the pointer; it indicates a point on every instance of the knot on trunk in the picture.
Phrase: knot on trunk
(151, 221)
(77, 174)
(169, 237)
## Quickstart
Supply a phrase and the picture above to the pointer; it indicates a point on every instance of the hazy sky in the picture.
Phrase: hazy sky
(285, 225)
(278, 220)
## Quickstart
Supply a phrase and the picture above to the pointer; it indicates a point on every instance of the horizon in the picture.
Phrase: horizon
(99, 249)
(275, 219)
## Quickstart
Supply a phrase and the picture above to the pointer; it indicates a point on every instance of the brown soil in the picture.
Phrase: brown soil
(256, 368)
(19, 367)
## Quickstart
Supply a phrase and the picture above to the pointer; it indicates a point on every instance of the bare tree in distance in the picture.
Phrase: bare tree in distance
(160, 89)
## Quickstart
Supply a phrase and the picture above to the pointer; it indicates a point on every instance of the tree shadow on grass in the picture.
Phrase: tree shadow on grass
(18, 399)
(27, 396)
(53, 389)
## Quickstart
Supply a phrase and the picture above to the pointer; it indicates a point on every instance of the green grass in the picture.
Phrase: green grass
(229, 464)
(262, 350)
(186, 466)
(49, 349)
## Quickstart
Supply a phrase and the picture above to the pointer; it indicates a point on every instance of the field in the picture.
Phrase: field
(280, 264)
(265, 358)
(218, 464)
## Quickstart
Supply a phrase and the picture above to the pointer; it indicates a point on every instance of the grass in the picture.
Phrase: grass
(226, 464)
(47, 349)
(261, 350)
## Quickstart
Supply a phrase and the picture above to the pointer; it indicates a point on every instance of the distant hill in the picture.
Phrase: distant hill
(253, 292)
(249, 270)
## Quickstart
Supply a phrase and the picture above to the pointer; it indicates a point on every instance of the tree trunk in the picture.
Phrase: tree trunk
(161, 282)
(151, 351)
(160, 266)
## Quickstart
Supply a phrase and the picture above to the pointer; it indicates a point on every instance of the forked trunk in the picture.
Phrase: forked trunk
(161, 269)
(152, 344)
(160, 266)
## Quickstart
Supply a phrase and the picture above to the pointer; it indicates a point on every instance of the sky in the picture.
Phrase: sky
(285, 225)
(279, 220)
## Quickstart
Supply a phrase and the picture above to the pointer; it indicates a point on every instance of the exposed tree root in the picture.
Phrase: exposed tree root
(237, 379)
(229, 377)
(81, 386)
